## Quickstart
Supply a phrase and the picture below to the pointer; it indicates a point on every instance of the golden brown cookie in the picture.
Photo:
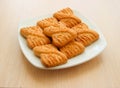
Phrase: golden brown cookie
(63, 13)
(87, 37)
(67, 17)
(34, 36)
(33, 30)
(34, 41)
(47, 22)
(72, 49)
(60, 35)
(49, 55)
(46, 47)
(70, 21)
(80, 27)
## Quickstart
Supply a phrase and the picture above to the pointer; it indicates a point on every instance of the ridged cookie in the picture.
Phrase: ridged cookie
(32, 30)
(60, 35)
(49, 55)
(72, 49)
(80, 27)
(67, 17)
(47, 22)
(34, 36)
(34, 41)
(87, 37)
(63, 13)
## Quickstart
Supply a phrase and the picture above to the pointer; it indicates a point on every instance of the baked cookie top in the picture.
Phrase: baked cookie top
(60, 35)
(32, 30)
(47, 22)
(72, 49)
(49, 55)
(67, 17)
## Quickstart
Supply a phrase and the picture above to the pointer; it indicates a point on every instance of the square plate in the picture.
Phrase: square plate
(89, 53)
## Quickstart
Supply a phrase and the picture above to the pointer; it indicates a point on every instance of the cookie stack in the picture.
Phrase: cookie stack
(57, 39)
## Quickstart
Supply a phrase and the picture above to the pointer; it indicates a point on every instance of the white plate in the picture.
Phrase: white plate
(89, 53)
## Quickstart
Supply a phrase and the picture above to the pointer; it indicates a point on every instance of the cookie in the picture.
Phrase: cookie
(80, 27)
(60, 35)
(49, 55)
(47, 22)
(70, 21)
(33, 30)
(63, 13)
(87, 37)
(67, 17)
(34, 41)
(72, 49)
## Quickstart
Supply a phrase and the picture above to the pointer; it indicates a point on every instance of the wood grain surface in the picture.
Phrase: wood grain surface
(101, 72)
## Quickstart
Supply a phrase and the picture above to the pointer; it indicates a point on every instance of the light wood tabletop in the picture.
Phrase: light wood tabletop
(101, 72)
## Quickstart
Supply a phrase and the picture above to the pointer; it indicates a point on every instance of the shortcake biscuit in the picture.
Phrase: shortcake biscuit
(60, 35)
(87, 37)
(34, 41)
(67, 17)
(72, 49)
(32, 30)
(49, 55)
(80, 27)
(34, 36)
(63, 13)
(47, 22)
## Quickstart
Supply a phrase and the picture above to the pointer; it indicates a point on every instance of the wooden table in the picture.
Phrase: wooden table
(101, 72)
